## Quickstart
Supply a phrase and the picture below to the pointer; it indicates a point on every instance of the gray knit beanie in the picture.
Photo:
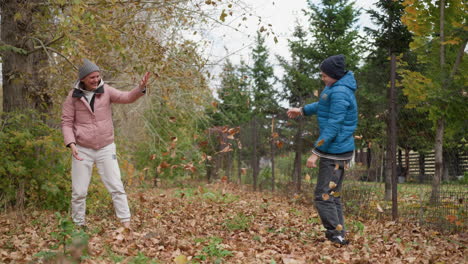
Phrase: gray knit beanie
(87, 68)
(334, 66)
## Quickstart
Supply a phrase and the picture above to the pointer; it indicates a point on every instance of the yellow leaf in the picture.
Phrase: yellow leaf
(223, 16)
(332, 185)
(339, 227)
(182, 259)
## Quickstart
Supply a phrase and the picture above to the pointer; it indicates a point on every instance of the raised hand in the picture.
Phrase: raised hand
(144, 81)
(294, 112)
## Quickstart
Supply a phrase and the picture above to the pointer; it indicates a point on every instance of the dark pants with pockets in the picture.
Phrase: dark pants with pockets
(328, 195)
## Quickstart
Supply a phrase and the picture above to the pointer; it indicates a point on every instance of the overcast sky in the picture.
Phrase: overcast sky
(281, 14)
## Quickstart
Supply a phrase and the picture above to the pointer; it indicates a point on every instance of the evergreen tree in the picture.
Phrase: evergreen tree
(264, 95)
(264, 101)
(393, 37)
(234, 108)
(333, 30)
(299, 86)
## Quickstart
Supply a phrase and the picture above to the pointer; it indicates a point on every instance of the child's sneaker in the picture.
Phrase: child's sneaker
(338, 239)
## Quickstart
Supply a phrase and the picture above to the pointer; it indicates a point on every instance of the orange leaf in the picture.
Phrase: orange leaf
(164, 165)
(320, 143)
(203, 143)
(279, 144)
(325, 196)
(226, 149)
(451, 218)
(224, 179)
(214, 104)
(275, 135)
(234, 130)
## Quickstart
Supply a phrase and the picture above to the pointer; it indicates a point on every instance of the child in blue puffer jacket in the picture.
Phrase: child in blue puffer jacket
(337, 115)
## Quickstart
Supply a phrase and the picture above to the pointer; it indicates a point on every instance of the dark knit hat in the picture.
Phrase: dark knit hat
(87, 68)
(334, 66)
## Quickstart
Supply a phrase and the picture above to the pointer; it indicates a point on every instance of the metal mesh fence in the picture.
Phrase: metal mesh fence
(270, 154)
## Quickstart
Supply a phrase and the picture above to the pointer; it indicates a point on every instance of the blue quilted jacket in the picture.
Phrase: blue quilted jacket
(337, 115)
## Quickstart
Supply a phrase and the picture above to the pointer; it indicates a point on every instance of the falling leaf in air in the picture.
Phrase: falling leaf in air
(337, 166)
(335, 194)
(332, 185)
(226, 149)
(275, 135)
(243, 171)
(279, 143)
(316, 93)
(325, 196)
(379, 208)
(223, 16)
(451, 218)
(320, 143)
(234, 130)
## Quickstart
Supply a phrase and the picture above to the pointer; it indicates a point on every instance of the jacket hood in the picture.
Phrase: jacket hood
(78, 90)
(79, 87)
(348, 81)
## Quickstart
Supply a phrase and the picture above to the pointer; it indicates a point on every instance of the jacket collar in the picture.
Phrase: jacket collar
(78, 91)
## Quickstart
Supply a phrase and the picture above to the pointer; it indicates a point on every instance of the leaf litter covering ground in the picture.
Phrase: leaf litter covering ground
(221, 223)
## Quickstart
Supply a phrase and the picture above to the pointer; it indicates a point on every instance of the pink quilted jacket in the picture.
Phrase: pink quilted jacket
(93, 129)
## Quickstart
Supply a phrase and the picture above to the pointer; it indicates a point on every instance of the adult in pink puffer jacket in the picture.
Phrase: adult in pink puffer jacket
(89, 132)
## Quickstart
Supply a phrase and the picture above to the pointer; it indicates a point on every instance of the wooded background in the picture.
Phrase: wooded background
(410, 70)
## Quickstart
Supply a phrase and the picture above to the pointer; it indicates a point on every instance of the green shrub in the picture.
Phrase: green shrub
(34, 168)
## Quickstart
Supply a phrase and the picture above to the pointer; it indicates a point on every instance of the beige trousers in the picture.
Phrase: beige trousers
(106, 163)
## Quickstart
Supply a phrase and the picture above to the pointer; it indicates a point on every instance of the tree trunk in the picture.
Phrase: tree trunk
(393, 136)
(297, 170)
(422, 169)
(438, 160)
(239, 164)
(388, 170)
(272, 144)
(24, 86)
(439, 141)
(407, 164)
(255, 159)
